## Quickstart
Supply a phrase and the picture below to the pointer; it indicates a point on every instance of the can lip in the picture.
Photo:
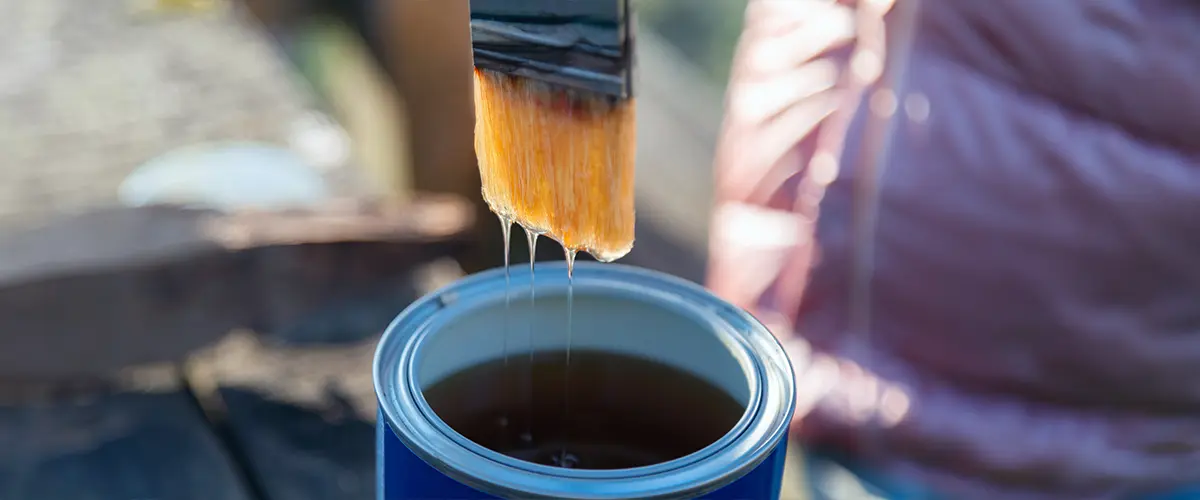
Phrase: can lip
(745, 446)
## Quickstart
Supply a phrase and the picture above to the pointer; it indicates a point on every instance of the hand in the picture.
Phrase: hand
(788, 78)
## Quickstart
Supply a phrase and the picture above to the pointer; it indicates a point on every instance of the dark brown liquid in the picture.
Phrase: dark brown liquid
(624, 411)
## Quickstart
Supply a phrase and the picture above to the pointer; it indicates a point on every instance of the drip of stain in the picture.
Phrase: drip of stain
(565, 458)
(531, 237)
(506, 227)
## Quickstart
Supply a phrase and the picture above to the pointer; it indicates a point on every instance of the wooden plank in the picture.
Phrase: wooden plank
(313, 452)
(302, 414)
(92, 293)
(302, 417)
(122, 445)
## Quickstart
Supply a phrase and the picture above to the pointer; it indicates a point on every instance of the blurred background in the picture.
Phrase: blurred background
(320, 154)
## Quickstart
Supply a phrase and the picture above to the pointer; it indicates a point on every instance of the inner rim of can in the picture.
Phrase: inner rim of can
(758, 433)
(736, 350)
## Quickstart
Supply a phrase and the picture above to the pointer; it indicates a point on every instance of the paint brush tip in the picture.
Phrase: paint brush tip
(558, 161)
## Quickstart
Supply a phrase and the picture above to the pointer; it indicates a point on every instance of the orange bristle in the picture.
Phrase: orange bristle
(557, 162)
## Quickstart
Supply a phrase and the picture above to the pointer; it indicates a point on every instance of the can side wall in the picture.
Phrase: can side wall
(401, 475)
(763, 482)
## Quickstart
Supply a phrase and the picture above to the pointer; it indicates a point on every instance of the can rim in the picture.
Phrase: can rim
(739, 351)
(745, 446)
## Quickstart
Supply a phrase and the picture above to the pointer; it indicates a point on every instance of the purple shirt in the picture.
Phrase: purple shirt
(1036, 300)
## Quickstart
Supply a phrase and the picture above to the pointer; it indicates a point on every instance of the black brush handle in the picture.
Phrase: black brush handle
(579, 44)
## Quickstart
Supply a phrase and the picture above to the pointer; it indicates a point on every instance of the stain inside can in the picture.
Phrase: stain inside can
(626, 411)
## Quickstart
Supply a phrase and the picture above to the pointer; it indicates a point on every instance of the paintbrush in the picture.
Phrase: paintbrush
(554, 110)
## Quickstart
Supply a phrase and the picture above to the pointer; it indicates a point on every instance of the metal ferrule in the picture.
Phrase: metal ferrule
(581, 44)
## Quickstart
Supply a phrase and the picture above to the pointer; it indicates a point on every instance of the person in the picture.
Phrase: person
(1034, 304)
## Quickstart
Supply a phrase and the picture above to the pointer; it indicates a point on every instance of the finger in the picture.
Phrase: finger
(783, 33)
(755, 99)
(758, 151)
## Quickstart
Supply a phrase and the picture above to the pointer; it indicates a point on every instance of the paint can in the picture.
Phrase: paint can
(615, 308)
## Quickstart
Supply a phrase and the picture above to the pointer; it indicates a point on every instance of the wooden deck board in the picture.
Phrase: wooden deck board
(127, 446)
(303, 452)
(300, 416)
(300, 413)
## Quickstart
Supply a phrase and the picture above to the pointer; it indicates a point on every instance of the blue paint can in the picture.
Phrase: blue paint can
(617, 309)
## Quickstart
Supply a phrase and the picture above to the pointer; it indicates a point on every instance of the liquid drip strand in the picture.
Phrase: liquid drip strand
(531, 237)
(570, 298)
(565, 458)
(506, 227)
(509, 384)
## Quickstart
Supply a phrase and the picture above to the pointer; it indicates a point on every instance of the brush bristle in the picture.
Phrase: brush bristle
(557, 162)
